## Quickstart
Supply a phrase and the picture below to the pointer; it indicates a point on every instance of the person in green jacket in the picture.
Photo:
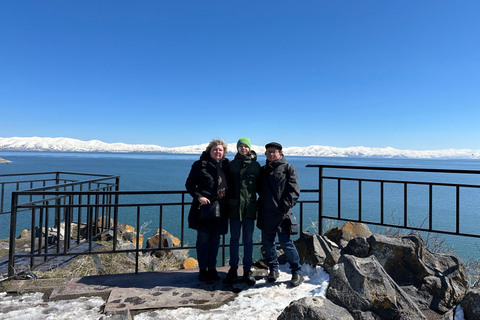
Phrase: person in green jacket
(242, 178)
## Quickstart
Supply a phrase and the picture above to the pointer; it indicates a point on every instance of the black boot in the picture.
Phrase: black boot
(213, 274)
(203, 275)
(273, 275)
(231, 276)
(297, 279)
(248, 277)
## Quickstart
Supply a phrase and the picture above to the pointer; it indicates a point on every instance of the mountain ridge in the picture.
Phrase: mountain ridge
(61, 144)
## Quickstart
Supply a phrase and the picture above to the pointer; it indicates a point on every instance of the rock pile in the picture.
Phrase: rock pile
(127, 239)
(373, 276)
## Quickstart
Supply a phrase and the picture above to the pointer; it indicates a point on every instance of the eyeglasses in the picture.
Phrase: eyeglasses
(272, 152)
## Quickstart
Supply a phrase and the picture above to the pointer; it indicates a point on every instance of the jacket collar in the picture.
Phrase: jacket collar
(276, 163)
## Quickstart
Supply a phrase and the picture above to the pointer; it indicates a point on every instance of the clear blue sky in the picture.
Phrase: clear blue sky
(402, 74)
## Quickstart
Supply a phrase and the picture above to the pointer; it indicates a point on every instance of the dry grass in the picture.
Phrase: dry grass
(113, 263)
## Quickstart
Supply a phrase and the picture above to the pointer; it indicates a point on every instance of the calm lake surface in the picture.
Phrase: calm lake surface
(140, 171)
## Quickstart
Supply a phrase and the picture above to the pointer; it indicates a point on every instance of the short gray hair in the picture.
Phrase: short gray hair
(217, 142)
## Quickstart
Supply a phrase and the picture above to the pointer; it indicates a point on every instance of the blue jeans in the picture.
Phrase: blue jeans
(207, 249)
(235, 227)
(268, 241)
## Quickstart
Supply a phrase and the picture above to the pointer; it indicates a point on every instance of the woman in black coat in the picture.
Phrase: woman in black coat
(207, 183)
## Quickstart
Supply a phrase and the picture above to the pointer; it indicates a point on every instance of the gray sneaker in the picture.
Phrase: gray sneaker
(297, 279)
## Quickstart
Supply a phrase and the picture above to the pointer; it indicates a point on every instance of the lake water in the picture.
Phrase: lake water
(140, 171)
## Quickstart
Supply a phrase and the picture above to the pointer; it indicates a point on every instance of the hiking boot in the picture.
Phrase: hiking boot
(213, 275)
(231, 276)
(273, 276)
(297, 279)
(248, 277)
(203, 275)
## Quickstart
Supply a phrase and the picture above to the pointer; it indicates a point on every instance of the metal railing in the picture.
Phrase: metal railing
(48, 180)
(86, 208)
(345, 193)
(375, 176)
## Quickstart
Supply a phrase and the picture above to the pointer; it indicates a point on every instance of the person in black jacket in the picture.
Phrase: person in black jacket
(207, 183)
(279, 193)
(242, 176)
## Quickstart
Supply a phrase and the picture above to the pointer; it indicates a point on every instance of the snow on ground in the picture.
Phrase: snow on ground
(263, 301)
(32, 307)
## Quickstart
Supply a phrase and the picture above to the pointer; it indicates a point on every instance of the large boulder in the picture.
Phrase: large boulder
(361, 284)
(313, 248)
(164, 239)
(52, 235)
(358, 247)
(317, 308)
(471, 305)
(350, 230)
(436, 281)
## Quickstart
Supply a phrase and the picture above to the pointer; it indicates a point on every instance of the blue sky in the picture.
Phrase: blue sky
(402, 74)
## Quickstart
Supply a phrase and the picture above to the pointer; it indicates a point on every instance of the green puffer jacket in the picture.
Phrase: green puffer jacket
(242, 176)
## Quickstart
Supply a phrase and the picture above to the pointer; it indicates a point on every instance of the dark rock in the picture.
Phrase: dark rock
(313, 249)
(350, 230)
(331, 260)
(365, 315)
(97, 262)
(317, 308)
(436, 281)
(471, 305)
(358, 247)
(361, 284)
(105, 236)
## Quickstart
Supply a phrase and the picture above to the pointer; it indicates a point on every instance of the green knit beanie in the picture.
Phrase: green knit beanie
(245, 141)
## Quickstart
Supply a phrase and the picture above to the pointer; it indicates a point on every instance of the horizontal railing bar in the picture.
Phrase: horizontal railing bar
(32, 205)
(39, 180)
(74, 183)
(403, 181)
(393, 169)
(55, 172)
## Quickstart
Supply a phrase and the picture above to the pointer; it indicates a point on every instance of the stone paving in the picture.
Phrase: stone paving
(143, 291)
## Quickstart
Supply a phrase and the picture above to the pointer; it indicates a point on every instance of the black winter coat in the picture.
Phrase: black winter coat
(278, 181)
(202, 181)
(242, 176)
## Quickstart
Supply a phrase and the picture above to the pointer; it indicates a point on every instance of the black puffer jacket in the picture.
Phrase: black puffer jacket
(242, 176)
(278, 180)
(203, 182)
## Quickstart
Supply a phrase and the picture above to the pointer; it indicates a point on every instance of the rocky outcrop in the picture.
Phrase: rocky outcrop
(314, 308)
(362, 284)
(350, 230)
(471, 305)
(373, 276)
(436, 281)
(313, 249)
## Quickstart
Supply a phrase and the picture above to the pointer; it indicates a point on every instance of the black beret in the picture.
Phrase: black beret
(275, 145)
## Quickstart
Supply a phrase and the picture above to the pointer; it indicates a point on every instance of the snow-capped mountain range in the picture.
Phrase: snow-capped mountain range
(74, 145)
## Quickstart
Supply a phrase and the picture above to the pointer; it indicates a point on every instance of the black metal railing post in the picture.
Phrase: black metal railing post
(320, 200)
(13, 231)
